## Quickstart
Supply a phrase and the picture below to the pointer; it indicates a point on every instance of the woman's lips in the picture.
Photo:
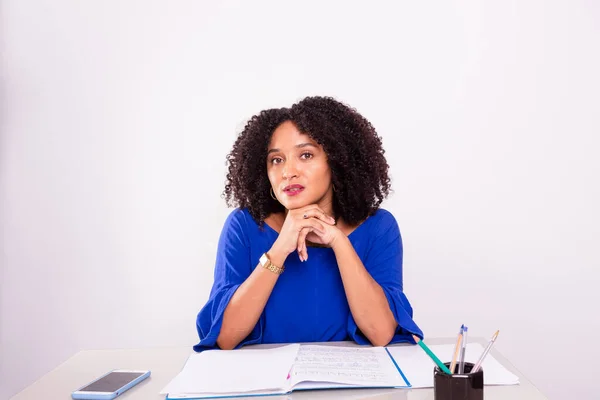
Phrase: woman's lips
(293, 190)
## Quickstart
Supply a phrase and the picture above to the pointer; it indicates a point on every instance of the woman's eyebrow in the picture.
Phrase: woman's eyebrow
(301, 145)
(298, 146)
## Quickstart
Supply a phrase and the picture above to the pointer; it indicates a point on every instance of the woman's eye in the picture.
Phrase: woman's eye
(276, 160)
(306, 156)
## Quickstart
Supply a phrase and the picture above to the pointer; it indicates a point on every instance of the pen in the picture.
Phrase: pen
(433, 356)
(485, 352)
(457, 348)
(463, 351)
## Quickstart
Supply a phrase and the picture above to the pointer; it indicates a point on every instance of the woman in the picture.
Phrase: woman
(307, 255)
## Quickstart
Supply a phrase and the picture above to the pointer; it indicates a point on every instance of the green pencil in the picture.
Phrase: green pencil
(433, 356)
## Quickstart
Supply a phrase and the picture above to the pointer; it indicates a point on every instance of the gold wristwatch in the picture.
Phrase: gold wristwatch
(266, 263)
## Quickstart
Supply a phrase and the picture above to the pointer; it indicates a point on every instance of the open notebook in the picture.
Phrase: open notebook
(281, 370)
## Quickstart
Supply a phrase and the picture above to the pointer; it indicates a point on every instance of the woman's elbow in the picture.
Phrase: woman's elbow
(225, 342)
(382, 339)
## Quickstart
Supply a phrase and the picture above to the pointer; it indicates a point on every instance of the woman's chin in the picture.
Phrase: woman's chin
(294, 204)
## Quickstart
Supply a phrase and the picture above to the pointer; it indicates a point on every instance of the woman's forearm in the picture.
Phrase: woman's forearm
(368, 304)
(247, 304)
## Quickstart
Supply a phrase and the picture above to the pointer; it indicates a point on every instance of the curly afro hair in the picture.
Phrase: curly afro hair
(359, 170)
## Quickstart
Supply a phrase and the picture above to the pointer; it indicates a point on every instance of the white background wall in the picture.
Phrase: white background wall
(116, 117)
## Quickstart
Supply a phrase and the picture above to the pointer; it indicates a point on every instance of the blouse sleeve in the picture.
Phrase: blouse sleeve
(383, 261)
(232, 268)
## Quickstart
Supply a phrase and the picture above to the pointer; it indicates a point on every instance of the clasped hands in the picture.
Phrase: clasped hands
(309, 223)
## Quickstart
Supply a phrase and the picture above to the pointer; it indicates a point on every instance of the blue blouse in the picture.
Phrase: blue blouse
(308, 302)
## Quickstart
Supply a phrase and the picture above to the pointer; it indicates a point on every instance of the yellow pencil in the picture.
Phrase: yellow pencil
(485, 352)
(457, 348)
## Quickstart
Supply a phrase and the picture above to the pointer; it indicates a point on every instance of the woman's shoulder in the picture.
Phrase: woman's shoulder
(239, 218)
(238, 228)
(382, 216)
(381, 221)
(383, 213)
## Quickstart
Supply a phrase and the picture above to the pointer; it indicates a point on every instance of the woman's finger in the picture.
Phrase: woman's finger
(302, 252)
(319, 214)
(316, 224)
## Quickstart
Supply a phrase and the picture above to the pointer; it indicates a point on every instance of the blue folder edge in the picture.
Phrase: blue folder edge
(408, 385)
(227, 397)
(398, 368)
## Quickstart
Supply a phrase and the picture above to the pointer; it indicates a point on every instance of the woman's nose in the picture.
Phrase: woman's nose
(290, 170)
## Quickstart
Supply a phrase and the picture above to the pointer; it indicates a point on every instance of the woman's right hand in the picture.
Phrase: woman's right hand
(310, 218)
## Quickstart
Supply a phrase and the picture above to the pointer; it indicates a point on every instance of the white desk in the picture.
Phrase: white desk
(165, 363)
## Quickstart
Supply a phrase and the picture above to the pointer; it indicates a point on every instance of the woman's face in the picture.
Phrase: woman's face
(298, 169)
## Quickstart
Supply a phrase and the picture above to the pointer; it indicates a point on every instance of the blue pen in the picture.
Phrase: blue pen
(463, 350)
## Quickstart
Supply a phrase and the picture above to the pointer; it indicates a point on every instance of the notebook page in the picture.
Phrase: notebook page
(361, 366)
(418, 367)
(235, 371)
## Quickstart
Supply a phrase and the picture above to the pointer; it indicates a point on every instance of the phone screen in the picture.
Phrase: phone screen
(111, 382)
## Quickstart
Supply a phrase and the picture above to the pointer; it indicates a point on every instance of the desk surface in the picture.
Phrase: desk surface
(165, 363)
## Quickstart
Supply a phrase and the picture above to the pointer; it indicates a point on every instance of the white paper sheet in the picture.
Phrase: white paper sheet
(365, 366)
(418, 367)
(241, 370)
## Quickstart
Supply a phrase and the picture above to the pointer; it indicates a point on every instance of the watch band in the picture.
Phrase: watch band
(267, 264)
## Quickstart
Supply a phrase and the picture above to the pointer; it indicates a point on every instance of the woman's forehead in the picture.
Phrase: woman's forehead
(287, 135)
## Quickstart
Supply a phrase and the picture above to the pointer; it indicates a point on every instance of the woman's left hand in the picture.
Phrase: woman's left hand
(330, 234)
